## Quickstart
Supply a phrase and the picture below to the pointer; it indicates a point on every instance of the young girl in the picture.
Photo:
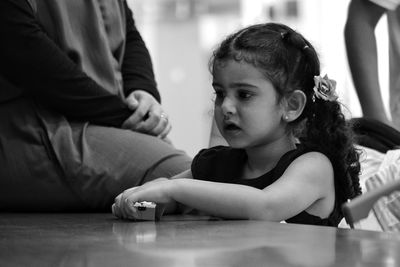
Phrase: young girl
(291, 155)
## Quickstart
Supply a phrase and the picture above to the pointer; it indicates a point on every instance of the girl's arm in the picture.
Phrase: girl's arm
(306, 182)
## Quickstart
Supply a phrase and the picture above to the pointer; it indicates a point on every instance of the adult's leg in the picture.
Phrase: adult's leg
(112, 160)
(30, 176)
(48, 164)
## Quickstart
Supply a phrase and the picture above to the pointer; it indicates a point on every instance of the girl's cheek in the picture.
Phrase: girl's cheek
(217, 111)
(218, 116)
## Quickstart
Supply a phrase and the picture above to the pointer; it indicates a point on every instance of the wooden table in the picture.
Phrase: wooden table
(102, 240)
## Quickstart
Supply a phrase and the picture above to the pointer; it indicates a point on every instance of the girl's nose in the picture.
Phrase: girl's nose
(228, 106)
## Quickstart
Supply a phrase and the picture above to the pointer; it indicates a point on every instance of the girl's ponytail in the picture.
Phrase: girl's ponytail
(326, 128)
(328, 131)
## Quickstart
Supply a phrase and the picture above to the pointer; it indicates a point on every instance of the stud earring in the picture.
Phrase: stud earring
(286, 118)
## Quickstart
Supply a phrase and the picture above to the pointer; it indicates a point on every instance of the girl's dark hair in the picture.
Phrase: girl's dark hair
(290, 62)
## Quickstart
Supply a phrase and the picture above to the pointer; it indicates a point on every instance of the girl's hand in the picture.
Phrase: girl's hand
(148, 116)
(155, 191)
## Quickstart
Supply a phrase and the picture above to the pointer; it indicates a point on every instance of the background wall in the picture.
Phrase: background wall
(181, 35)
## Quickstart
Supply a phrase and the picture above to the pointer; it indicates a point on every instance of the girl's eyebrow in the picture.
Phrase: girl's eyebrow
(243, 84)
(236, 84)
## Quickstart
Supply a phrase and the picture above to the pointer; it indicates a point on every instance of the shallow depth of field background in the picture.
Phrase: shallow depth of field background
(181, 35)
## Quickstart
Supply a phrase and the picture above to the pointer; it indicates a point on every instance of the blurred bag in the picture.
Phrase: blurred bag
(375, 134)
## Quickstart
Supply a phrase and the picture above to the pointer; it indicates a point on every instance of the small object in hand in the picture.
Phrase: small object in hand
(145, 211)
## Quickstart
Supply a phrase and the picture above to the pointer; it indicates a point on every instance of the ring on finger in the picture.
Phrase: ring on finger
(164, 116)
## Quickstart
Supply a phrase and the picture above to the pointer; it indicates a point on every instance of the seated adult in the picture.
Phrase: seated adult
(80, 112)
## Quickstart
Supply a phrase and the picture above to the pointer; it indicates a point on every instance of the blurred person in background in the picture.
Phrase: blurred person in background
(361, 45)
(80, 111)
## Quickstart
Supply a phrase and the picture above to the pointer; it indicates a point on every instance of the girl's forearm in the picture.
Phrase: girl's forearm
(222, 200)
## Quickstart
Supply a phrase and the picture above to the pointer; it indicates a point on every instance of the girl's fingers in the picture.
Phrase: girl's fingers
(131, 211)
(128, 199)
(114, 210)
(116, 205)
(118, 208)
(126, 193)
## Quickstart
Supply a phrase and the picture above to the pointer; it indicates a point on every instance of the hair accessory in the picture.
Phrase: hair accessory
(305, 47)
(324, 88)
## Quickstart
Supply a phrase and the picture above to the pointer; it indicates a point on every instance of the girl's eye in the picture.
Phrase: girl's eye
(219, 94)
(245, 95)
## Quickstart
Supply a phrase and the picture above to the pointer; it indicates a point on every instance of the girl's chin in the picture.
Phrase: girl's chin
(237, 146)
(235, 143)
(235, 138)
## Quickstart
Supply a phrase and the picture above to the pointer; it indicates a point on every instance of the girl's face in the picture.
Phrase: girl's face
(247, 111)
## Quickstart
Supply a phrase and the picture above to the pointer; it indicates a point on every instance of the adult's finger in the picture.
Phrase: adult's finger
(138, 115)
(148, 125)
(165, 132)
(131, 101)
(163, 127)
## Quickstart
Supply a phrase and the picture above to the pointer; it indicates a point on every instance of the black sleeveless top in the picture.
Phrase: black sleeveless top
(225, 164)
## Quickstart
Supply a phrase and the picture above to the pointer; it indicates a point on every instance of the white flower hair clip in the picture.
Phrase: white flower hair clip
(324, 88)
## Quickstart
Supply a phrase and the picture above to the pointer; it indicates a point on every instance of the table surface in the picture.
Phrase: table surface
(102, 240)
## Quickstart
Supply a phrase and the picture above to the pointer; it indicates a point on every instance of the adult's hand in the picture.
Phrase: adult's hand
(148, 115)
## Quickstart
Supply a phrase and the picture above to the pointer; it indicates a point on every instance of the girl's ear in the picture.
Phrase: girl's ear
(295, 104)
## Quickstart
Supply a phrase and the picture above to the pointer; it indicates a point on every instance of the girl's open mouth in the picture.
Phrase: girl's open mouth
(231, 127)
